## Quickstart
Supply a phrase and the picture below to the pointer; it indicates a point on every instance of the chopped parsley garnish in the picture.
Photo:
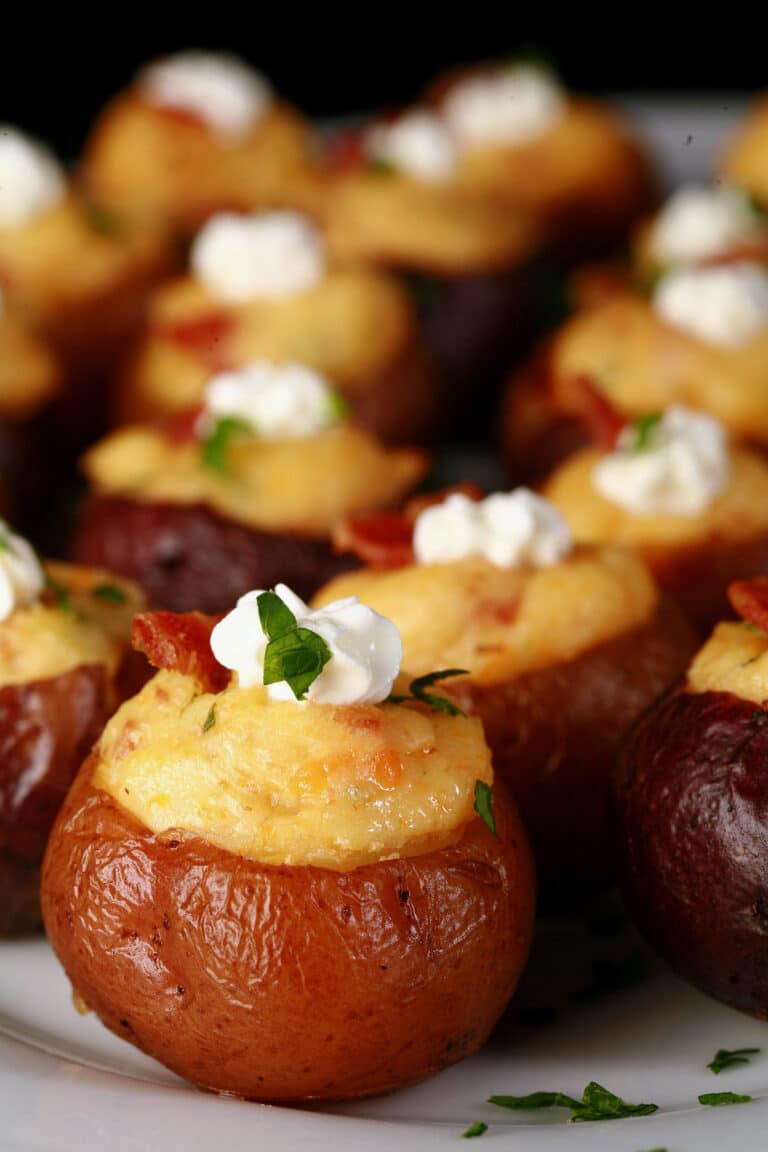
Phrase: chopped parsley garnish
(215, 446)
(597, 1103)
(437, 703)
(484, 804)
(716, 1099)
(730, 1058)
(338, 406)
(109, 593)
(293, 654)
(210, 719)
(642, 431)
(475, 1129)
(60, 593)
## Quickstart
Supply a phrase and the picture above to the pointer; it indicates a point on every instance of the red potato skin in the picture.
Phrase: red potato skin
(47, 727)
(186, 558)
(692, 822)
(554, 733)
(287, 983)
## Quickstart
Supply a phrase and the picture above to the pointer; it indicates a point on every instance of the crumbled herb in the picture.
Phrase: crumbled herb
(61, 594)
(210, 719)
(437, 703)
(475, 1129)
(597, 1103)
(730, 1058)
(110, 593)
(338, 406)
(484, 804)
(215, 446)
(642, 431)
(294, 655)
(101, 220)
(716, 1099)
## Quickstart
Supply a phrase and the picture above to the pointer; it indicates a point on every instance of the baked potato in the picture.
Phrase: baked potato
(691, 822)
(324, 934)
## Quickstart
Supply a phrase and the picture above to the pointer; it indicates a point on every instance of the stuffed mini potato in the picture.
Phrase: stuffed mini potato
(288, 901)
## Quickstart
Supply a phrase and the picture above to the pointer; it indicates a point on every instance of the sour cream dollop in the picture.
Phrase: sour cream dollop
(21, 574)
(509, 106)
(366, 649)
(682, 467)
(222, 91)
(697, 223)
(31, 178)
(278, 401)
(265, 254)
(418, 144)
(508, 529)
(726, 305)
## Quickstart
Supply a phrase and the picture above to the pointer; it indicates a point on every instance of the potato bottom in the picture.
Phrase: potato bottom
(287, 983)
(554, 733)
(188, 558)
(692, 797)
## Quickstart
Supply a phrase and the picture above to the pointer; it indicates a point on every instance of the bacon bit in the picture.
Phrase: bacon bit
(502, 611)
(178, 115)
(357, 719)
(749, 599)
(181, 641)
(344, 153)
(602, 420)
(201, 336)
(181, 427)
(382, 540)
(385, 539)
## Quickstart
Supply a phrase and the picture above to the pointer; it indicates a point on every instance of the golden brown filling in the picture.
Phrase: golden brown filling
(84, 618)
(501, 622)
(739, 513)
(304, 486)
(734, 659)
(287, 783)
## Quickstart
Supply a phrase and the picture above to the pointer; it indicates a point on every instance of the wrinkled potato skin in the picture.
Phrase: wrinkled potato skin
(47, 727)
(186, 558)
(287, 983)
(692, 786)
(554, 732)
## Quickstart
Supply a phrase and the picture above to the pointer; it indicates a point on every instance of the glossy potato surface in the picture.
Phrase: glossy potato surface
(692, 794)
(287, 983)
(46, 729)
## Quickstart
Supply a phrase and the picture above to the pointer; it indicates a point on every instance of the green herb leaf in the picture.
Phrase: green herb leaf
(730, 1058)
(437, 703)
(210, 719)
(110, 593)
(101, 220)
(294, 655)
(338, 406)
(215, 447)
(484, 804)
(61, 595)
(642, 431)
(716, 1099)
(475, 1129)
(597, 1103)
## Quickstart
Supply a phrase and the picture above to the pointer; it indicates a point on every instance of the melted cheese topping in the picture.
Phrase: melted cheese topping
(41, 641)
(739, 512)
(501, 622)
(644, 365)
(734, 659)
(276, 485)
(332, 786)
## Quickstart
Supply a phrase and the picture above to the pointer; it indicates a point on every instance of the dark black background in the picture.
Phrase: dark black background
(56, 74)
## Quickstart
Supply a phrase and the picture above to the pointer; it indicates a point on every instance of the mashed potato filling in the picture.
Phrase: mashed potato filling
(734, 659)
(739, 512)
(336, 786)
(86, 626)
(302, 485)
(501, 622)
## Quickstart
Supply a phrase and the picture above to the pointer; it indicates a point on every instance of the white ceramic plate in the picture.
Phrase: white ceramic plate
(66, 1085)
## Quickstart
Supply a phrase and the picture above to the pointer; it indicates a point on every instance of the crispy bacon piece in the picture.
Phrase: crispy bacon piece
(181, 427)
(749, 599)
(602, 420)
(180, 641)
(385, 539)
(202, 336)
